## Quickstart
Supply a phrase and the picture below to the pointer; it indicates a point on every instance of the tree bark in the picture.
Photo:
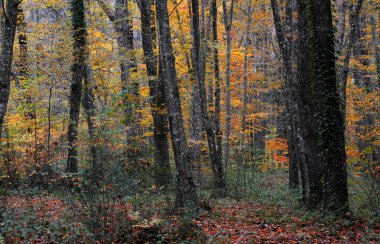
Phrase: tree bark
(78, 70)
(157, 92)
(218, 132)
(7, 37)
(186, 190)
(245, 87)
(216, 162)
(228, 17)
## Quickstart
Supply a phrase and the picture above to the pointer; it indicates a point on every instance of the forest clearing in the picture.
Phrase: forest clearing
(189, 121)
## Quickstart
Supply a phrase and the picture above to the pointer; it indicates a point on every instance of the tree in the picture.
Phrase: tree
(78, 70)
(157, 100)
(216, 162)
(283, 30)
(322, 129)
(8, 19)
(186, 190)
(228, 17)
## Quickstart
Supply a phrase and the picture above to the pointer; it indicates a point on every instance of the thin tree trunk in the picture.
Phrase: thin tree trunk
(375, 44)
(7, 37)
(186, 189)
(157, 92)
(88, 102)
(245, 87)
(228, 17)
(216, 162)
(218, 132)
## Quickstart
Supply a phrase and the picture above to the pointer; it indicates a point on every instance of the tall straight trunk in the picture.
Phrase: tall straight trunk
(78, 70)
(245, 87)
(327, 174)
(307, 100)
(215, 53)
(196, 114)
(7, 37)
(330, 117)
(186, 189)
(216, 162)
(157, 92)
(290, 97)
(228, 17)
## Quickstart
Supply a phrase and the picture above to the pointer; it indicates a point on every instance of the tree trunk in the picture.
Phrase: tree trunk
(186, 190)
(216, 162)
(218, 132)
(307, 100)
(245, 87)
(375, 44)
(322, 121)
(7, 37)
(330, 118)
(228, 17)
(78, 70)
(157, 92)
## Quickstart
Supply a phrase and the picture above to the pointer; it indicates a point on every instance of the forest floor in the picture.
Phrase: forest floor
(47, 217)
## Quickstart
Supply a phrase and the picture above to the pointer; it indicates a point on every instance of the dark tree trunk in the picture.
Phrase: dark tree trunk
(228, 17)
(157, 92)
(330, 118)
(7, 37)
(218, 132)
(78, 70)
(216, 162)
(244, 97)
(186, 189)
(322, 128)
(307, 100)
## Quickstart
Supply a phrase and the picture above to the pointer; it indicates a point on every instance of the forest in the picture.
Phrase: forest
(189, 121)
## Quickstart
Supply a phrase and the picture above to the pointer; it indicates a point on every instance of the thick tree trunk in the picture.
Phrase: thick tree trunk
(7, 37)
(307, 100)
(216, 162)
(78, 70)
(157, 92)
(322, 129)
(186, 190)
(330, 118)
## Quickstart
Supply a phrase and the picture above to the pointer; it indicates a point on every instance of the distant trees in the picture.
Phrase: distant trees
(8, 20)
